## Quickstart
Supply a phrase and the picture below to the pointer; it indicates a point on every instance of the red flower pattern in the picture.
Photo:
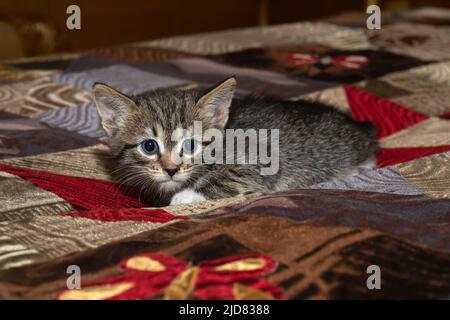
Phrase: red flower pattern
(153, 275)
(355, 62)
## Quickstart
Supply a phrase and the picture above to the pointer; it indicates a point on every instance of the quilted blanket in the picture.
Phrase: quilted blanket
(383, 233)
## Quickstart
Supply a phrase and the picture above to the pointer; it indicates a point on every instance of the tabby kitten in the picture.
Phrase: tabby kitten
(316, 142)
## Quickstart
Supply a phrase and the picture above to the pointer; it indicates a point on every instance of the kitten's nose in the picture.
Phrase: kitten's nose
(171, 171)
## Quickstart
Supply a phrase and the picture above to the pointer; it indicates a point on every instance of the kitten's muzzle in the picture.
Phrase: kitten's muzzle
(171, 171)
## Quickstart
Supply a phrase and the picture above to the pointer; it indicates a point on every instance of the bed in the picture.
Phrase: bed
(383, 233)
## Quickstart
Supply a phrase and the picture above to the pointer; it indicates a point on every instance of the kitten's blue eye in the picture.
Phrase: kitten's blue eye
(150, 147)
(190, 146)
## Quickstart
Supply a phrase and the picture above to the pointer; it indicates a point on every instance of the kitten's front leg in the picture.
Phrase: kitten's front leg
(187, 196)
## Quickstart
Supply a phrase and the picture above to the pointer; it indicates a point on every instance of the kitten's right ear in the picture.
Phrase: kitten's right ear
(112, 106)
(216, 103)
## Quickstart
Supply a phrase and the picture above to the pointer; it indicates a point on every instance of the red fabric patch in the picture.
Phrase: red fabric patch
(390, 156)
(218, 284)
(225, 292)
(82, 193)
(96, 199)
(445, 115)
(387, 116)
(348, 62)
(128, 214)
(148, 284)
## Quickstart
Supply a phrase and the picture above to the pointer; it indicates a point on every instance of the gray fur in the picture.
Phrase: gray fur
(317, 143)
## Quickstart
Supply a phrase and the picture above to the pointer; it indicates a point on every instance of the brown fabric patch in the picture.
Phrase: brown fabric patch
(416, 218)
(314, 262)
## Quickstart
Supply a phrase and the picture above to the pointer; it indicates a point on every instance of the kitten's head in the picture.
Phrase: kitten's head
(146, 132)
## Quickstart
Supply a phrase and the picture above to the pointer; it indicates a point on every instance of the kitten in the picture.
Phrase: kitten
(316, 142)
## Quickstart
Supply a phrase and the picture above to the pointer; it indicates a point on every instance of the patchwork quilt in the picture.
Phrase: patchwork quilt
(59, 206)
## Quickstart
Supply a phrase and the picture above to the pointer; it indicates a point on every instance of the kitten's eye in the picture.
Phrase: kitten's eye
(150, 147)
(189, 146)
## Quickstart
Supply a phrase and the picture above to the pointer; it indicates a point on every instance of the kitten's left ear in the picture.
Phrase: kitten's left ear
(215, 104)
(112, 106)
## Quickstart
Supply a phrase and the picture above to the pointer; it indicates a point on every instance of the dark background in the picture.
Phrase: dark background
(31, 27)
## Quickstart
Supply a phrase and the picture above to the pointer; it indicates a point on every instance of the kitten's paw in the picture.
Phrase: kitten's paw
(186, 196)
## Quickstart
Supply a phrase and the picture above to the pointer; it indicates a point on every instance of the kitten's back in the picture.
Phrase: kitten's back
(316, 141)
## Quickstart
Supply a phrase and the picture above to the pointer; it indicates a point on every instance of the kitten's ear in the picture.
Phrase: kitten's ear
(216, 103)
(112, 106)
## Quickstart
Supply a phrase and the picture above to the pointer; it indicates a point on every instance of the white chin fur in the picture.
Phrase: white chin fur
(186, 196)
(169, 185)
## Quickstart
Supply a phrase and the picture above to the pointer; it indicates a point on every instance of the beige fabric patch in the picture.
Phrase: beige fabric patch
(100, 292)
(14, 254)
(205, 206)
(14, 74)
(417, 40)
(31, 98)
(433, 103)
(56, 235)
(421, 79)
(256, 37)
(90, 162)
(335, 97)
(428, 85)
(428, 133)
(143, 263)
(20, 199)
(429, 174)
